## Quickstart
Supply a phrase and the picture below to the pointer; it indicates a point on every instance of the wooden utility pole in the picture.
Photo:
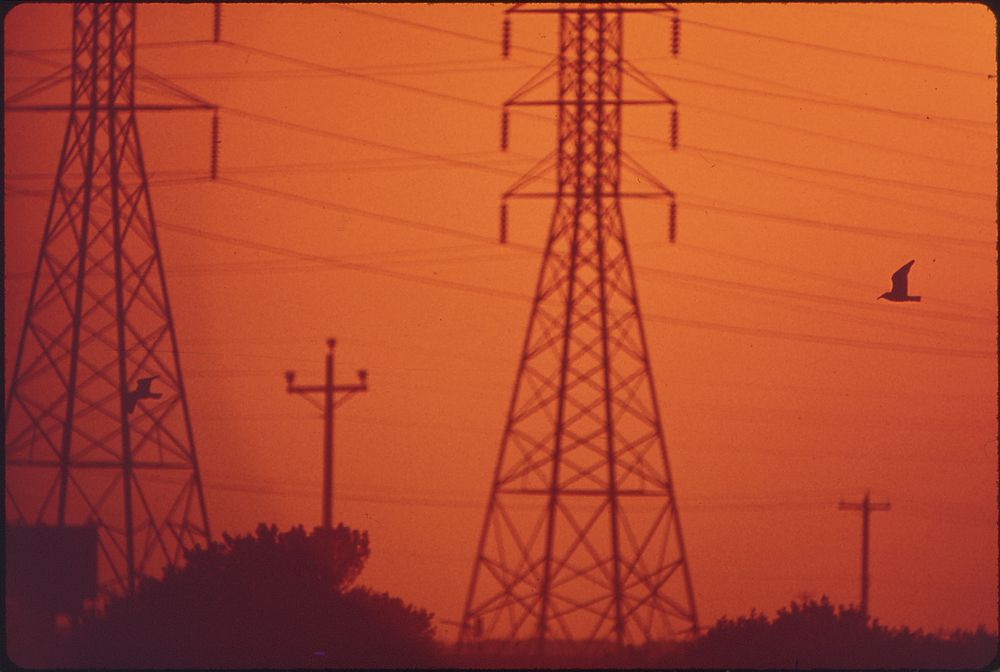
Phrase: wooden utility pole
(866, 506)
(329, 404)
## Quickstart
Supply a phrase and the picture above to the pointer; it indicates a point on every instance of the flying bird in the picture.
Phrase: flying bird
(141, 392)
(899, 285)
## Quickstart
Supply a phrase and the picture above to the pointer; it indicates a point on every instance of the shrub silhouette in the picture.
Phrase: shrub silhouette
(817, 635)
(269, 599)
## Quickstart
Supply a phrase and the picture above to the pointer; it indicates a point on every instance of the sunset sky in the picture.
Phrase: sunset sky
(821, 147)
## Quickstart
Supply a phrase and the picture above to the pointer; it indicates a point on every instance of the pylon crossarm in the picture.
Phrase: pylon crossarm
(634, 74)
(612, 194)
(547, 72)
(532, 175)
(558, 102)
(588, 8)
(630, 163)
(60, 76)
(163, 84)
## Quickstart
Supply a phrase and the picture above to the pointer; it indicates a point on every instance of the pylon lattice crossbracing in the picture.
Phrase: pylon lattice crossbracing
(81, 438)
(582, 540)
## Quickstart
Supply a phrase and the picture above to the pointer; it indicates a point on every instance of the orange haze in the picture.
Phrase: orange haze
(778, 398)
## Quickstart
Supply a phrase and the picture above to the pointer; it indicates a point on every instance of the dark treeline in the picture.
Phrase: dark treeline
(288, 600)
(809, 635)
(817, 635)
(265, 600)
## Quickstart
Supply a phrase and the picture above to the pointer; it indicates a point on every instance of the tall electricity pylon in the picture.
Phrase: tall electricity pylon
(581, 540)
(96, 405)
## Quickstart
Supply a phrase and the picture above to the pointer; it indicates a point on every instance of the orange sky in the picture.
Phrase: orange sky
(767, 427)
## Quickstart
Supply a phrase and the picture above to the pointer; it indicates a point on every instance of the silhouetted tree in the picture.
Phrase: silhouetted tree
(270, 599)
(817, 635)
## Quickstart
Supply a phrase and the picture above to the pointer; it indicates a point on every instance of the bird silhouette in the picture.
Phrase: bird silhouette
(899, 285)
(141, 392)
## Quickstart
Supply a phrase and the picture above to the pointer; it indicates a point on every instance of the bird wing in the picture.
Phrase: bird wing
(899, 278)
(142, 385)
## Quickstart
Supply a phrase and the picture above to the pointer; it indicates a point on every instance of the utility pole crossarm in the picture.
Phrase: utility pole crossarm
(872, 506)
(309, 389)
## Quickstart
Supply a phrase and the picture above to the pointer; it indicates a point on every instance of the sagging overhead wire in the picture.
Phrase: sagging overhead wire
(839, 50)
(909, 205)
(356, 75)
(841, 139)
(687, 20)
(805, 273)
(410, 223)
(436, 29)
(367, 143)
(714, 204)
(524, 298)
(481, 104)
(787, 293)
(956, 123)
(479, 166)
(864, 177)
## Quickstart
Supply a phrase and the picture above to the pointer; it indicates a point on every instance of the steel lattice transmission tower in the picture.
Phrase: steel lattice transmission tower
(582, 540)
(87, 439)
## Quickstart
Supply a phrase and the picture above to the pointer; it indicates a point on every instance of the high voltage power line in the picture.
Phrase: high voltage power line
(840, 50)
(704, 24)
(423, 161)
(908, 205)
(481, 104)
(485, 105)
(410, 223)
(921, 186)
(953, 122)
(795, 336)
(345, 137)
(308, 490)
(426, 156)
(419, 159)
